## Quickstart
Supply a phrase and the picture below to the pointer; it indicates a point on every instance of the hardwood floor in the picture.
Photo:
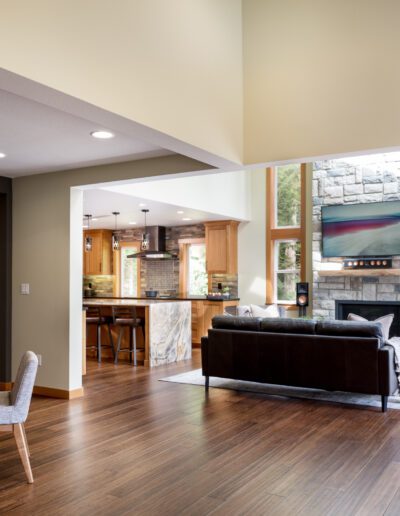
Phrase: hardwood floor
(135, 445)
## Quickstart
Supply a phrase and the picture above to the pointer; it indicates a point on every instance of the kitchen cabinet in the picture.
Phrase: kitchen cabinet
(202, 314)
(221, 246)
(99, 259)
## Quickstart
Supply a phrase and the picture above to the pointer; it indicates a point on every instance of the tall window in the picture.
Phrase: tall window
(127, 270)
(193, 277)
(285, 232)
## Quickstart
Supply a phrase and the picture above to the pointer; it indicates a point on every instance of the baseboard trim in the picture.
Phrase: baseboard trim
(5, 386)
(58, 393)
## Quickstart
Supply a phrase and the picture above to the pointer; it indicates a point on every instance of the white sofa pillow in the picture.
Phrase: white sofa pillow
(269, 311)
(385, 320)
(243, 311)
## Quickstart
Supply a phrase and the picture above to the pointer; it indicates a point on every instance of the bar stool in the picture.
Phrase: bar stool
(126, 317)
(94, 317)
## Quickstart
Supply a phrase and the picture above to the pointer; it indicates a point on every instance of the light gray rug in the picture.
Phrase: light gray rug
(196, 378)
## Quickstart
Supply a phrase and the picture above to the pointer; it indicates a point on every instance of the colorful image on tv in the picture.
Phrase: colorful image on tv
(361, 229)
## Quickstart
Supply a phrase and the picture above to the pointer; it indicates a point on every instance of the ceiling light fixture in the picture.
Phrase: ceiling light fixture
(132, 223)
(2, 155)
(180, 212)
(145, 243)
(115, 237)
(88, 238)
(142, 204)
(186, 218)
(102, 135)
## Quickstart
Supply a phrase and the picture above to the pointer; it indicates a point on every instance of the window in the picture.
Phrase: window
(127, 270)
(285, 232)
(193, 277)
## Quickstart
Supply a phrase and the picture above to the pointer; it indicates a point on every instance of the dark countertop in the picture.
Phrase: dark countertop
(174, 298)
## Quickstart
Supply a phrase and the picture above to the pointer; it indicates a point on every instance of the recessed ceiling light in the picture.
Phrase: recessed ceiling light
(180, 212)
(132, 223)
(85, 227)
(186, 218)
(102, 135)
(2, 155)
(94, 219)
(142, 204)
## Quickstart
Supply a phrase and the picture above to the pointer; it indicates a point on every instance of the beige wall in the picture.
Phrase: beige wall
(320, 77)
(172, 65)
(42, 238)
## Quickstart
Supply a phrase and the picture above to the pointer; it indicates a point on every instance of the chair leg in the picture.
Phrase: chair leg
(26, 440)
(23, 451)
(134, 346)
(111, 340)
(118, 345)
(130, 345)
(98, 343)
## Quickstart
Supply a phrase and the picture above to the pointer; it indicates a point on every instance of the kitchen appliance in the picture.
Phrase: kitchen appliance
(151, 293)
(155, 241)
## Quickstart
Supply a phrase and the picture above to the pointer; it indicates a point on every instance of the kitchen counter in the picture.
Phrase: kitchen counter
(175, 298)
(167, 323)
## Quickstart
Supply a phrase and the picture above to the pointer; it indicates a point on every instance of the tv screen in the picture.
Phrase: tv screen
(354, 230)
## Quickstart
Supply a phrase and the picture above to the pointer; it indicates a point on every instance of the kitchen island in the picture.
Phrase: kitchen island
(167, 328)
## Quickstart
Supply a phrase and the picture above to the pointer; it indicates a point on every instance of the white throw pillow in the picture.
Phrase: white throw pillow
(385, 320)
(243, 311)
(269, 311)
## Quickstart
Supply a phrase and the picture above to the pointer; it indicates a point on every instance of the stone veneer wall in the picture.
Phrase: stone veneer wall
(339, 182)
(163, 275)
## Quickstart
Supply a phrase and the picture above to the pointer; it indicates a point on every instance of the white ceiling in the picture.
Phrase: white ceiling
(38, 138)
(101, 203)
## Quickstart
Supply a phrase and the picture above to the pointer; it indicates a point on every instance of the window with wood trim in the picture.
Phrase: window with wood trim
(127, 270)
(193, 277)
(286, 232)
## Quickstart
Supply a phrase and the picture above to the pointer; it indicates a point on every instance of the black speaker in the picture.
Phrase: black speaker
(302, 297)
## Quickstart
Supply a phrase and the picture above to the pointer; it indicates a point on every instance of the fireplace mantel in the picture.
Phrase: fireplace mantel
(360, 272)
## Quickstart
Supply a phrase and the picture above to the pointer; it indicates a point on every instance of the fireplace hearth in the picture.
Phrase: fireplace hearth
(370, 310)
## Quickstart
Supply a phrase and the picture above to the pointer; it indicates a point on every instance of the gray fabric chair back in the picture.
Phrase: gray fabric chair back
(21, 394)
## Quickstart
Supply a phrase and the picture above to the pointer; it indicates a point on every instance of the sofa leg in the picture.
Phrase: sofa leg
(207, 384)
(384, 403)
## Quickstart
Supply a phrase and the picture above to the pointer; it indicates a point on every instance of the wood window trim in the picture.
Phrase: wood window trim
(117, 268)
(273, 233)
(184, 244)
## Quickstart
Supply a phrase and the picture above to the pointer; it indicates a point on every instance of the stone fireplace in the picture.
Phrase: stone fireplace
(337, 182)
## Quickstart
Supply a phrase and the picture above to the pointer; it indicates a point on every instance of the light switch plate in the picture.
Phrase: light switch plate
(25, 290)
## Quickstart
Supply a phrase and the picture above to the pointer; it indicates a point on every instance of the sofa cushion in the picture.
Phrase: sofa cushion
(267, 311)
(222, 322)
(385, 320)
(350, 329)
(286, 325)
(243, 311)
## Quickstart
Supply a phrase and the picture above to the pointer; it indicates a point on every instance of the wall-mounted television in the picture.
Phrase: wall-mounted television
(354, 230)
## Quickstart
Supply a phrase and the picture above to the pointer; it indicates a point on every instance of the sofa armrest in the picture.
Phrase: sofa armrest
(387, 376)
(204, 355)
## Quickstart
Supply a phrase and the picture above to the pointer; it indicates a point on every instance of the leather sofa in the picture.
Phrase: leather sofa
(331, 355)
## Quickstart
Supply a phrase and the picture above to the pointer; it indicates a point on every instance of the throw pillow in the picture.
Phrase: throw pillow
(243, 311)
(269, 311)
(385, 320)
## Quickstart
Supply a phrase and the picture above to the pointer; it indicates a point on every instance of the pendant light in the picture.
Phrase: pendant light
(115, 238)
(145, 244)
(88, 239)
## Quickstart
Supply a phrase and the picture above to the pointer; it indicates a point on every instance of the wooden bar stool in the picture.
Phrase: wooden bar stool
(126, 317)
(94, 317)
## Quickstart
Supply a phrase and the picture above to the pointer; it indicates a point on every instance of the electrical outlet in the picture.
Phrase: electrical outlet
(39, 359)
(25, 289)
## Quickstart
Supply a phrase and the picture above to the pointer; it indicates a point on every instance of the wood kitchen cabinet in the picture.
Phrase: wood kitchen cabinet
(99, 259)
(202, 314)
(221, 246)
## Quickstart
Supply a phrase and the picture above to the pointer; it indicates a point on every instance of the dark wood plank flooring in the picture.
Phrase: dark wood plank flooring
(134, 445)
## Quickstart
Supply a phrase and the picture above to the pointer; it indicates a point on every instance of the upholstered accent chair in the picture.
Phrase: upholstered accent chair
(14, 407)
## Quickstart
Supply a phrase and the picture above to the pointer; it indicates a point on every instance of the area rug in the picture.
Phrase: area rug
(196, 378)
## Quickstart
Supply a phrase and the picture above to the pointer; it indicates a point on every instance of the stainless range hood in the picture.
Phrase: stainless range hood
(157, 249)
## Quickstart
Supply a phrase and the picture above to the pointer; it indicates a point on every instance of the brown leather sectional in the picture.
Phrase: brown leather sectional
(331, 355)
